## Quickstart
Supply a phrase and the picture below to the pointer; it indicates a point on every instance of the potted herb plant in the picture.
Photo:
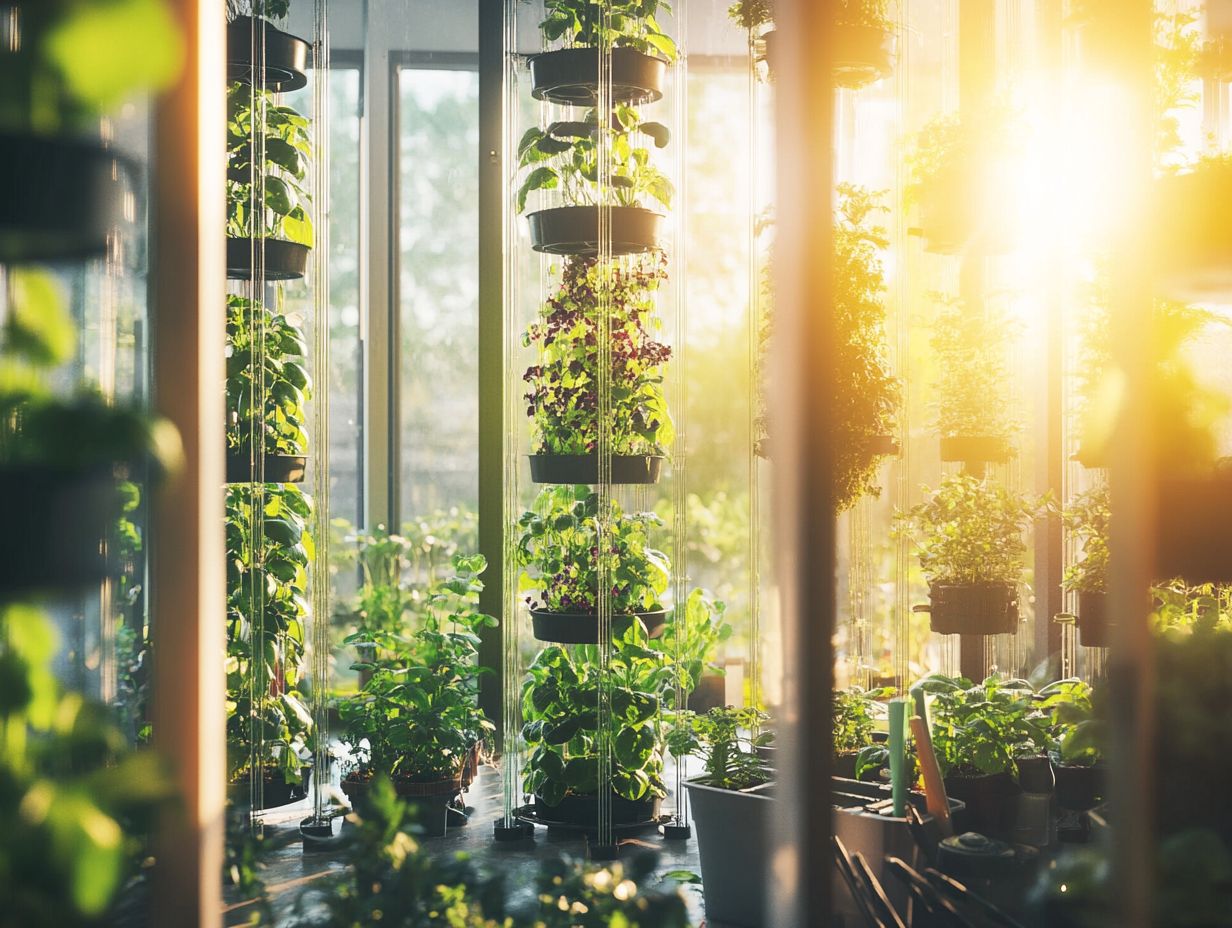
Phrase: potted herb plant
(557, 549)
(266, 355)
(640, 51)
(269, 728)
(979, 732)
(562, 397)
(869, 395)
(260, 53)
(1087, 519)
(417, 718)
(1076, 737)
(969, 537)
(269, 150)
(732, 809)
(565, 157)
(854, 720)
(973, 408)
(61, 191)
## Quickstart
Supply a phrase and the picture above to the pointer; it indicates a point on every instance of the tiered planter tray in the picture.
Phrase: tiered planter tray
(574, 230)
(278, 260)
(973, 609)
(581, 628)
(584, 468)
(280, 62)
(279, 468)
(581, 813)
(570, 76)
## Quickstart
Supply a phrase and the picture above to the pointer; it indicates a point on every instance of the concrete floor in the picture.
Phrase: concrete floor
(293, 877)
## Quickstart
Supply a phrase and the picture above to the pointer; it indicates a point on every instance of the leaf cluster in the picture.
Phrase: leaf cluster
(269, 150)
(970, 530)
(727, 739)
(855, 711)
(1087, 518)
(1076, 734)
(565, 156)
(1180, 609)
(971, 345)
(609, 24)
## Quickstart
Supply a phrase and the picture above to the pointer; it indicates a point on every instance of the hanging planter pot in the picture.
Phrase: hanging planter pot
(990, 802)
(1195, 529)
(260, 53)
(570, 76)
(275, 791)
(279, 468)
(955, 219)
(59, 197)
(581, 812)
(972, 609)
(974, 449)
(582, 628)
(862, 54)
(55, 522)
(584, 468)
(1093, 628)
(574, 230)
(883, 446)
(1193, 232)
(278, 259)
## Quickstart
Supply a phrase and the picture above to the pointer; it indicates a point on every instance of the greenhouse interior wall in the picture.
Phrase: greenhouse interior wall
(615, 463)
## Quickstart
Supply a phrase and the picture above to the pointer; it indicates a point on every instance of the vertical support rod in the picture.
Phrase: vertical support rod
(188, 574)
(803, 394)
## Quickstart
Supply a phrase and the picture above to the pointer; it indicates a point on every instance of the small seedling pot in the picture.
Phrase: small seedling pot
(581, 813)
(734, 840)
(574, 230)
(279, 468)
(55, 521)
(260, 53)
(570, 76)
(282, 260)
(974, 449)
(59, 197)
(1079, 788)
(972, 609)
(583, 628)
(1093, 627)
(990, 802)
(862, 55)
(584, 468)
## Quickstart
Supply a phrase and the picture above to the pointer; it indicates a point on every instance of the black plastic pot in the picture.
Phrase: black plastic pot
(54, 522)
(734, 841)
(275, 791)
(974, 449)
(1195, 529)
(282, 260)
(862, 54)
(973, 609)
(430, 801)
(1093, 628)
(260, 53)
(581, 628)
(584, 468)
(1035, 774)
(574, 230)
(59, 197)
(990, 802)
(279, 468)
(883, 446)
(571, 76)
(1079, 788)
(581, 813)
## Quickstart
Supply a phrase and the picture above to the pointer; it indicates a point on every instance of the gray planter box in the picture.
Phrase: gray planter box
(733, 842)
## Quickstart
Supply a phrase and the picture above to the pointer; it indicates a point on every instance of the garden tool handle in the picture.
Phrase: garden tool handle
(935, 799)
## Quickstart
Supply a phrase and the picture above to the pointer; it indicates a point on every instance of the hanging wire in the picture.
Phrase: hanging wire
(901, 639)
(756, 311)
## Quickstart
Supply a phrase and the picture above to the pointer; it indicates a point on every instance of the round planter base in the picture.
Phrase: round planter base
(59, 198)
(518, 831)
(276, 259)
(863, 54)
(279, 468)
(676, 832)
(260, 53)
(581, 813)
(975, 609)
(636, 469)
(583, 628)
(574, 230)
(570, 76)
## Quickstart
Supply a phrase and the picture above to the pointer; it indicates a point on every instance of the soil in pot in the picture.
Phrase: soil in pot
(973, 609)
(581, 812)
(574, 230)
(261, 53)
(55, 520)
(1093, 628)
(278, 468)
(582, 628)
(990, 803)
(282, 260)
(570, 76)
(862, 55)
(59, 197)
(584, 468)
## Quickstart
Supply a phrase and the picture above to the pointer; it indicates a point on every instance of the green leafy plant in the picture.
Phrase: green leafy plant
(565, 157)
(1087, 519)
(1181, 609)
(727, 739)
(266, 356)
(269, 548)
(557, 548)
(627, 24)
(1178, 50)
(80, 806)
(417, 718)
(854, 711)
(692, 640)
(971, 348)
(1076, 734)
(751, 14)
(869, 395)
(273, 9)
(269, 150)
(970, 530)
(562, 398)
(872, 13)
(981, 729)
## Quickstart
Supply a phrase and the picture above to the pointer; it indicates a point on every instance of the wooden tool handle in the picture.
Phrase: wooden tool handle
(935, 799)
